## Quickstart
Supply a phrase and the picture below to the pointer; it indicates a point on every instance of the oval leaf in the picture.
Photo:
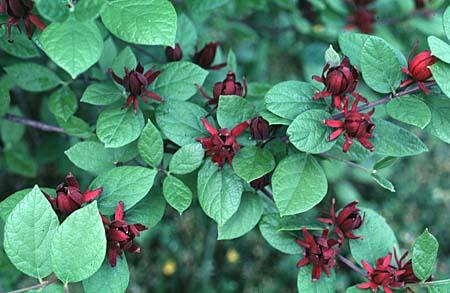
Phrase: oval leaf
(298, 184)
(28, 235)
(144, 22)
(150, 145)
(177, 194)
(128, 184)
(251, 163)
(424, 255)
(79, 245)
(187, 159)
(219, 192)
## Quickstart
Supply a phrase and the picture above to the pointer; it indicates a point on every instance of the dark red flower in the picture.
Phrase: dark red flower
(174, 54)
(384, 275)
(339, 81)
(362, 19)
(229, 86)
(307, 10)
(261, 182)
(205, 57)
(20, 10)
(419, 69)
(120, 235)
(355, 125)
(69, 197)
(259, 129)
(408, 276)
(222, 145)
(319, 252)
(348, 219)
(420, 4)
(136, 82)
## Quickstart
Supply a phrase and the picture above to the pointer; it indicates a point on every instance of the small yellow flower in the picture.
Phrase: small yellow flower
(232, 256)
(318, 28)
(169, 267)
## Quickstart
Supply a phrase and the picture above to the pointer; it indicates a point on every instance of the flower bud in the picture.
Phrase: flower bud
(363, 19)
(358, 125)
(20, 11)
(339, 80)
(259, 129)
(261, 182)
(419, 66)
(174, 54)
(205, 57)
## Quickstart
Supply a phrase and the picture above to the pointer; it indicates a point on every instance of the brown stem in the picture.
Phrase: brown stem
(351, 265)
(387, 98)
(33, 123)
(44, 284)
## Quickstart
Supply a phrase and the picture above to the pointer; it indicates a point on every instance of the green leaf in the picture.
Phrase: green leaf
(298, 184)
(305, 283)
(55, 10)
(22, 47)
(411, 110)
(181, 122)
(63, 103)
(9, 203)
(72, 45)
(187, 159)
(351, 45)
(20, 162)
(86, 10)
(441, 71)
(282, 241)
(392, 140)
(94, 157)
(446, 21)
(150, 145)
(274, 119)
(11, 132)
(5, 99)
(109, 54)
(355, 289)
(79, 245)
(128, 184)
(377, 238)
(101, 94)
(186, 35)
(75, 126)
(297, 222)
(383, 182)
(109, 279)
(309, 134)
(144, 22)
(380, 66)
(251, 163)
(244, 220)
(33, 77)
(150, 210)
(439, 48)
(233, 110)
(178, 79)
(440, 117)
(424, 255)
(29, 231)
(117, 127)
(126, 58)
(219, 192)
(231, 61)
(332, 57)
(291, 98)
(384, 163)
(177, 194)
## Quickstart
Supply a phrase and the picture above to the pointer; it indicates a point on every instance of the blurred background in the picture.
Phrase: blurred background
(273, 41)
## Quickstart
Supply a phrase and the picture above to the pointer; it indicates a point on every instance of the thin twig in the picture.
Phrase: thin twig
(267, 192)
(351, 265)
(387, 98)
(44, 284)
(33, 123)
